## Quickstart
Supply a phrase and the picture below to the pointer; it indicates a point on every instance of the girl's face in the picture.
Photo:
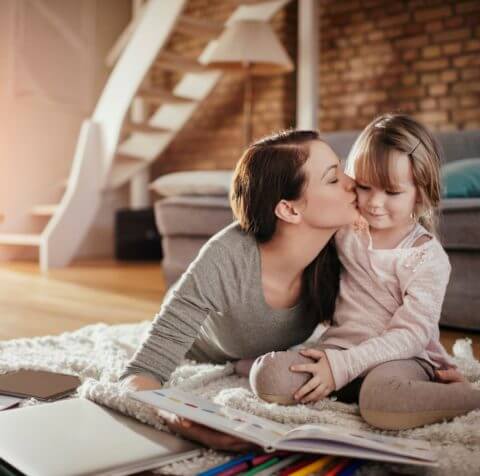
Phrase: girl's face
(329, 199)
(384, 209)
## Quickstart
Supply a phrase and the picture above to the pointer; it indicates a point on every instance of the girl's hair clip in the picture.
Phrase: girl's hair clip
(414, 149)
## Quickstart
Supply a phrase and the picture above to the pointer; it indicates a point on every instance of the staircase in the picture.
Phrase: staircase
(111, 149)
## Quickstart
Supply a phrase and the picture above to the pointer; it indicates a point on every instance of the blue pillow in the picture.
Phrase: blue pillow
(461, 178)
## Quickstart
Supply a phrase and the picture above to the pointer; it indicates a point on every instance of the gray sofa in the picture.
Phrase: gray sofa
(187, 222)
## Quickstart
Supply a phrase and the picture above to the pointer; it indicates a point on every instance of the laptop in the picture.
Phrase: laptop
(77, 437)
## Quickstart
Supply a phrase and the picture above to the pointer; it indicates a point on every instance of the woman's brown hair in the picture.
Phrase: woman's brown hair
(271, 170)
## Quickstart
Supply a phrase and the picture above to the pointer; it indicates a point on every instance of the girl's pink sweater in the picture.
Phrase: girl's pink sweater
(389, 303)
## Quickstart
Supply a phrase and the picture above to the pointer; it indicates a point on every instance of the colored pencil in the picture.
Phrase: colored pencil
(229, 464)
(246, 465)
(300, 464)
(280, 465)
(261, 467)
(337, 467)
(351, 468)
(312, 467)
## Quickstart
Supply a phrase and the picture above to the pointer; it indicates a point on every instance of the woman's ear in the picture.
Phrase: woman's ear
(287, 212)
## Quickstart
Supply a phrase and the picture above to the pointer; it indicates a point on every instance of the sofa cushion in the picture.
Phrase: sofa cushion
(192, 215)
(460, 223)
(461, 178)
(179, 252)
(462, 300)
(201, 182)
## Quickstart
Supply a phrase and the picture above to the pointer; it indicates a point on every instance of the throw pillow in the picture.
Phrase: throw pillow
(211, 182)
(461, 178)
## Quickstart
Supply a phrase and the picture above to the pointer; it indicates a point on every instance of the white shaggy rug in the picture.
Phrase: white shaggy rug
(98, 353)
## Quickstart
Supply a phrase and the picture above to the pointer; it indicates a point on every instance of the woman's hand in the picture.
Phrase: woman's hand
(186, 428)
(450, 375)
(321, 384)
(206, 436)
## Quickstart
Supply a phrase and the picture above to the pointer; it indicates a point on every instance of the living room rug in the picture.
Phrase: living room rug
(98, 353)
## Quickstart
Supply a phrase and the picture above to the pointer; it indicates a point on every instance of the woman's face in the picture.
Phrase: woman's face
(329, 199)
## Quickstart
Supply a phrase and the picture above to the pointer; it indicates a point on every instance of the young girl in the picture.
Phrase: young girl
(382, 349)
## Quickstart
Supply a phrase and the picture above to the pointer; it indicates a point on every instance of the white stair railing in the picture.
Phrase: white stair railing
(96, 146)
(79, 205)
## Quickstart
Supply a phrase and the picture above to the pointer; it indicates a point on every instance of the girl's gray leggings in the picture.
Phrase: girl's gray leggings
(395, 395)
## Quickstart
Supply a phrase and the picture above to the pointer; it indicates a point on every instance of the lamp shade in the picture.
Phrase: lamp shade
(248, 44)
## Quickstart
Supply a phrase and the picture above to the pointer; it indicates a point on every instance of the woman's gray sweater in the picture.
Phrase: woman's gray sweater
(217, 312)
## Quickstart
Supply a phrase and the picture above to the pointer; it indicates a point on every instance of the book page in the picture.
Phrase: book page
(324, 447)
(200, 410)
(363, 439)
(8, 402)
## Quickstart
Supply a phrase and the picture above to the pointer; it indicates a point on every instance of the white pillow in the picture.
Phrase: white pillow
(205, 182)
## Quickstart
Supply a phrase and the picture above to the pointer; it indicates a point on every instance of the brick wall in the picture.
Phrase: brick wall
(421, 57)
(213, 138)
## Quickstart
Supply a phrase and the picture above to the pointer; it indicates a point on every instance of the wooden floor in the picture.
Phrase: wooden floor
(33, 304)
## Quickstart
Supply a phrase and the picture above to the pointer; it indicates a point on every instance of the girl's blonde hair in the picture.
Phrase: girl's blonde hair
(369, 160)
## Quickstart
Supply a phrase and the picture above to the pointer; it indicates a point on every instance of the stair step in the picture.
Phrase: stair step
(158, 96)
(20, 239)
(197, 85)
(145, 146)
(124, 167)
(172, 115)
(189, 25)
(174, 62)
(44, 210)
(124, 157)
(143, 127)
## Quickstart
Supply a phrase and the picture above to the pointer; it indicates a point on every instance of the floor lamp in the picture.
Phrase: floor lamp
(251, 48)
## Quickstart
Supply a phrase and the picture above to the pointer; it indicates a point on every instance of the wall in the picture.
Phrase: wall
(214, 136)
(51, 74)
(421, 57)
(417, 56)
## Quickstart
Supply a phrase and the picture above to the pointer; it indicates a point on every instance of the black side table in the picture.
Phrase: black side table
(136, 235)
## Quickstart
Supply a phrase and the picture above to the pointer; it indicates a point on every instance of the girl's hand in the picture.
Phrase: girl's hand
(321, 384)
(206, 436)
(449, 376)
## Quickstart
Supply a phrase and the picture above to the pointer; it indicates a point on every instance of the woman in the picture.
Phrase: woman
(254, 287)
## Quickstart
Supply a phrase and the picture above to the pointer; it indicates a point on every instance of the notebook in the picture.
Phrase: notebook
(39, 384)
(76, 437)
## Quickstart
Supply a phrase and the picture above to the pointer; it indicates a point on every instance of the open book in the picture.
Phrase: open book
(309, 438)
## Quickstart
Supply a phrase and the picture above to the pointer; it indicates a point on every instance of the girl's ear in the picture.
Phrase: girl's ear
(286, 211)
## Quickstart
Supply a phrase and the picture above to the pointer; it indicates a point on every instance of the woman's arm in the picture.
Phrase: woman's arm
(409, 331)
(201, 289)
